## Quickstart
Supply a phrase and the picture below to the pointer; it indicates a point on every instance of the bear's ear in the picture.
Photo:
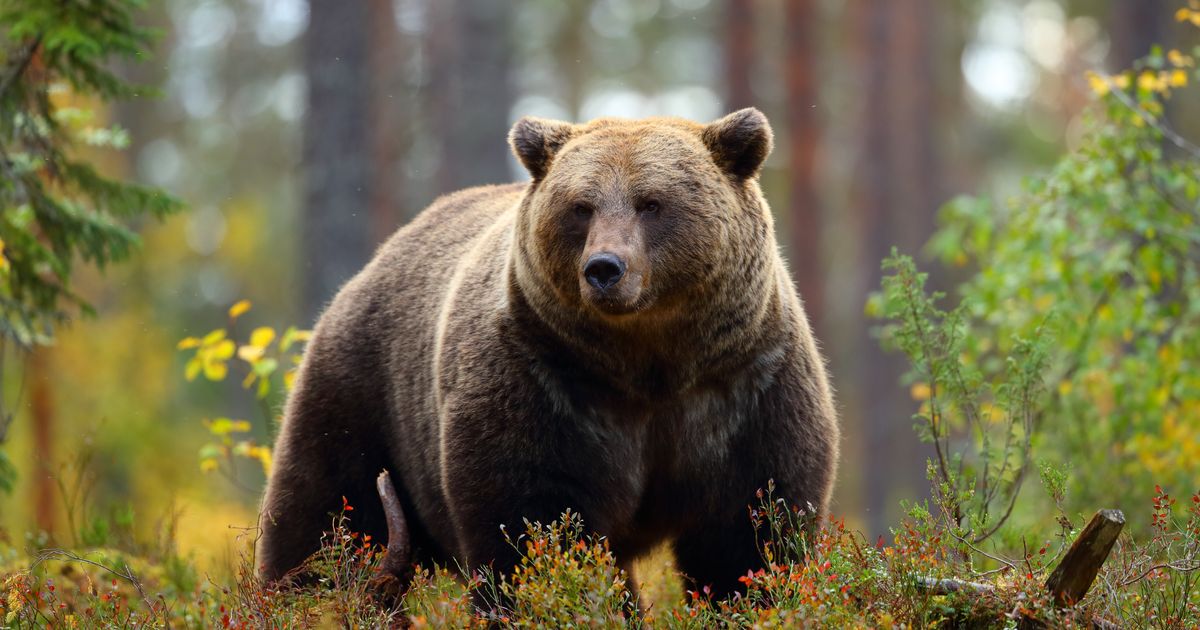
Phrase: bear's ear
(536, 140)
(740, 142)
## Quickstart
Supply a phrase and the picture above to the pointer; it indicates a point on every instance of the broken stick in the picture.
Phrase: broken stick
(395, 571)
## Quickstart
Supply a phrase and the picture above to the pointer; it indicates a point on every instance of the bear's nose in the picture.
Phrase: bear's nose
(603, 270)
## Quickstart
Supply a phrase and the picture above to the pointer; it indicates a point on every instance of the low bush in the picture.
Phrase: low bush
(926, 576)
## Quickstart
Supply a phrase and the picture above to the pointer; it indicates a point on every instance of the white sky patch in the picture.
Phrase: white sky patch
(620, 102)
(280, 21)
(1045, 34)
(540, 106)
(995, 65)
(159, 162)
(290, 95)
(696, 102)
(206, 228)
(208, 24)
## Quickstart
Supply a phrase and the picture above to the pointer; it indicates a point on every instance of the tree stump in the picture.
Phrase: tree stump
(1073, 576)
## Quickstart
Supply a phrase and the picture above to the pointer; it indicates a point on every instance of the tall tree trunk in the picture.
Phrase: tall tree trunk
(1136, 26)
(897, 194)
(913, 86)
(803, 138)
(386, 118)
(344, 201)
(472, 94)
(574, 63)
(480, 152)
(41, 407)
(739, 54)
(873, 181)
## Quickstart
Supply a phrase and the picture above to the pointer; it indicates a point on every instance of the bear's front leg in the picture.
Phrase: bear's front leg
(493, 485)
(500, 470)
(714, 553)
(791, 442)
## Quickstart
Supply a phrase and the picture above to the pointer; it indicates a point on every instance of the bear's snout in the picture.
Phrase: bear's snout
(603, 270)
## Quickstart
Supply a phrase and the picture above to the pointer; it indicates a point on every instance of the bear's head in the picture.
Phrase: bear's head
(626, 218)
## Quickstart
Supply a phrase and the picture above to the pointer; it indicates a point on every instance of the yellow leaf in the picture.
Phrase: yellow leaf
(249, 380)
(289, 378)
(213, 337)
(250, 354)
(992, 413)
(263, 455)
(874, 306)
(1178, 78)
(215, 371)
(208, 465)
(238, 309)
(225, 426)
(1182, 15)
(262, 336)
(920, 391)
(3, 258)
(1147, 81)
(222, 351)
(187, 343)
(1064, 388)
(1098, 83)
(193, 369)
(265, 458)
(1121, 81)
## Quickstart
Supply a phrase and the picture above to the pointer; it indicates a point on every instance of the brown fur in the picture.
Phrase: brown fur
(472, 360)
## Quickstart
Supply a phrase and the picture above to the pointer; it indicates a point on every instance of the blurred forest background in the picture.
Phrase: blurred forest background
(301, 134)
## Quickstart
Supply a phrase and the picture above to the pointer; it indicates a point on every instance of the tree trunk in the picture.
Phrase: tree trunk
(895, 201)
(472, 95)
(803, 137)
(337, 155)
(386, 122)
(739, 54)
(41, 407)
(573, 63)
(1136, 26)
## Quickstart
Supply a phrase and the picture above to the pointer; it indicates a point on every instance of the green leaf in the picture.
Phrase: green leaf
(265, 367)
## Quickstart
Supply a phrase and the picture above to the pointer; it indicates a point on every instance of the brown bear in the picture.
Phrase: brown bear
(619, 336)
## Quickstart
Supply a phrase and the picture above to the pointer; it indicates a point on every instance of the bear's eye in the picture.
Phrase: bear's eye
(650, 206)
(581, 210)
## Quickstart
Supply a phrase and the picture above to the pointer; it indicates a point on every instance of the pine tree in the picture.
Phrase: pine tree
(56, 209)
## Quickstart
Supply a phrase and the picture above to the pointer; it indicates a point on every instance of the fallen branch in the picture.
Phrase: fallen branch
(937, 586)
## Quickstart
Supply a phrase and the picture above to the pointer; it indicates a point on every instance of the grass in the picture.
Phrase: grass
(830, 577)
